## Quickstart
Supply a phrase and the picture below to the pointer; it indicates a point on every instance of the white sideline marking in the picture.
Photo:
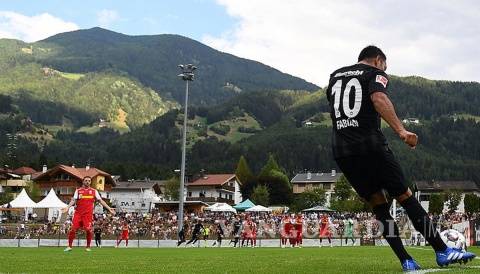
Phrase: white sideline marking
(429, 270)
(439, 269)
(420, 248)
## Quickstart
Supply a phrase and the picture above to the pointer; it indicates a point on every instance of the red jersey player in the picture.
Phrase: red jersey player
(84, 198)
(125, 229)
(254, 233)
(299, 229)
(286, 232)
(325, 230)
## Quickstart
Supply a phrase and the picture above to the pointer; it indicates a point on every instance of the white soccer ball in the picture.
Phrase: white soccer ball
(453, 238)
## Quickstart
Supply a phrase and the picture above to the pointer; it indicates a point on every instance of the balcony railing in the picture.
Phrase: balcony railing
(211, 200)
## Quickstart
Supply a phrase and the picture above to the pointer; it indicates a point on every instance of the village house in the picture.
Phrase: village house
(426, 188)
(137, 195)
(307, 181)
(65, 179)
(215, 188)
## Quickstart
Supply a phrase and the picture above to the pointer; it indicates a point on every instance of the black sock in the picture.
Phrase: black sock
(422, 223)
(390, 231)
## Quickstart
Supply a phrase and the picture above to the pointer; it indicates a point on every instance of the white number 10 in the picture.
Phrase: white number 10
(337, 90)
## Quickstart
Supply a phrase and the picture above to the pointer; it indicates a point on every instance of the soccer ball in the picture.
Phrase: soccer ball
(453, 238)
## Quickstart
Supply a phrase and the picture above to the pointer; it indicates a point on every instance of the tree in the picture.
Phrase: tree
(270, 166)
(5, 196)
(261, 195)
(310, 198)
(472, 203)
(33, 191)
(245, 175)
(345, 199)
(343, 189)
(453, 199)
(435, 205)
(172, 187)
(353, 204)
(277, 183)
(279, 187)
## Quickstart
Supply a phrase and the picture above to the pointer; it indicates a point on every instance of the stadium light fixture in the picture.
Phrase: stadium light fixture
(187, 76)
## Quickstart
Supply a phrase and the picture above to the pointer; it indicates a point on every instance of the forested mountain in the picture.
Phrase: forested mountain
(153, 61)
(88, 79)
(261, 123)
(53, 94)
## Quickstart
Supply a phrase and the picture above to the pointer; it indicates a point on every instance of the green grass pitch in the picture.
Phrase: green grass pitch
(218, 260)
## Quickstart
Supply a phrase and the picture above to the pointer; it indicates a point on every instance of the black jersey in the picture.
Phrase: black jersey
(97, 232)
(355, 122)
(236, 227)
(197, 228)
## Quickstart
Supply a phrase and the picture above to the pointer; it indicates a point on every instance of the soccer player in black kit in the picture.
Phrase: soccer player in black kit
(195, 232)
(237, 228)
(357, 95)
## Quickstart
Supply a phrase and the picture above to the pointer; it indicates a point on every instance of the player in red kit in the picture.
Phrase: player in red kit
(299, 229)
(125, 230)
(324, 230)
(84, 199)
(285, 229)
(254, 234)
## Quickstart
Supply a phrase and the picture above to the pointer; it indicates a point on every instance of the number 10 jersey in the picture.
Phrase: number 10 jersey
(356, 123)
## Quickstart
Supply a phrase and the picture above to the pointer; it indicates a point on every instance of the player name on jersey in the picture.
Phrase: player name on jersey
(344, 123)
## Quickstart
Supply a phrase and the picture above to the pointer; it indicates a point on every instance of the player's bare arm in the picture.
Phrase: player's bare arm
(72, 203)
(111, 210)
(385, 108)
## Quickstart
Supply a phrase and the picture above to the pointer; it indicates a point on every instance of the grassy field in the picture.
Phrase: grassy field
(215, 260)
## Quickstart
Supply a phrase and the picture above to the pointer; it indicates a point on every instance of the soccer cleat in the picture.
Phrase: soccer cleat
(67, 249)
(410, 265)
(453, 255)
(88, 249)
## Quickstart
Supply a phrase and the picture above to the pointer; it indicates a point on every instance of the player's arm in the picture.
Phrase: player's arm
(72, 202)
(385, 108)
(377, 89)
(103, 203)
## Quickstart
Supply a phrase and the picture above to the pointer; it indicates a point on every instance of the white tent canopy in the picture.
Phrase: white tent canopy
(259, 208)
(221, 207)
(22, 201)
(51, 201)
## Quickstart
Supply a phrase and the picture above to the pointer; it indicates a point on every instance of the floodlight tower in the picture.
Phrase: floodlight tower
(187, 76)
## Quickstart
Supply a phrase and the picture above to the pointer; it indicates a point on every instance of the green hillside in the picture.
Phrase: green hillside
(153, 61)
(53, 94)
(53, 97)
(275, 122)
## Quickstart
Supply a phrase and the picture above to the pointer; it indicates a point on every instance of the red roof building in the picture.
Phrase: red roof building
(65, 179)
(24, 170)
(215, 188)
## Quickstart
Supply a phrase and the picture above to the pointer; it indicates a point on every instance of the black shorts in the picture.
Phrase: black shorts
(374, 172)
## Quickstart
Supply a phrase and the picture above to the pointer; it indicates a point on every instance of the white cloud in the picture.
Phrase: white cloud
(106, 17)
(32, 28)
(311, 38)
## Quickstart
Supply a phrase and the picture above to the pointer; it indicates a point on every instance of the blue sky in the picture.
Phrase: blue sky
(192, 18)
(430, 38)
